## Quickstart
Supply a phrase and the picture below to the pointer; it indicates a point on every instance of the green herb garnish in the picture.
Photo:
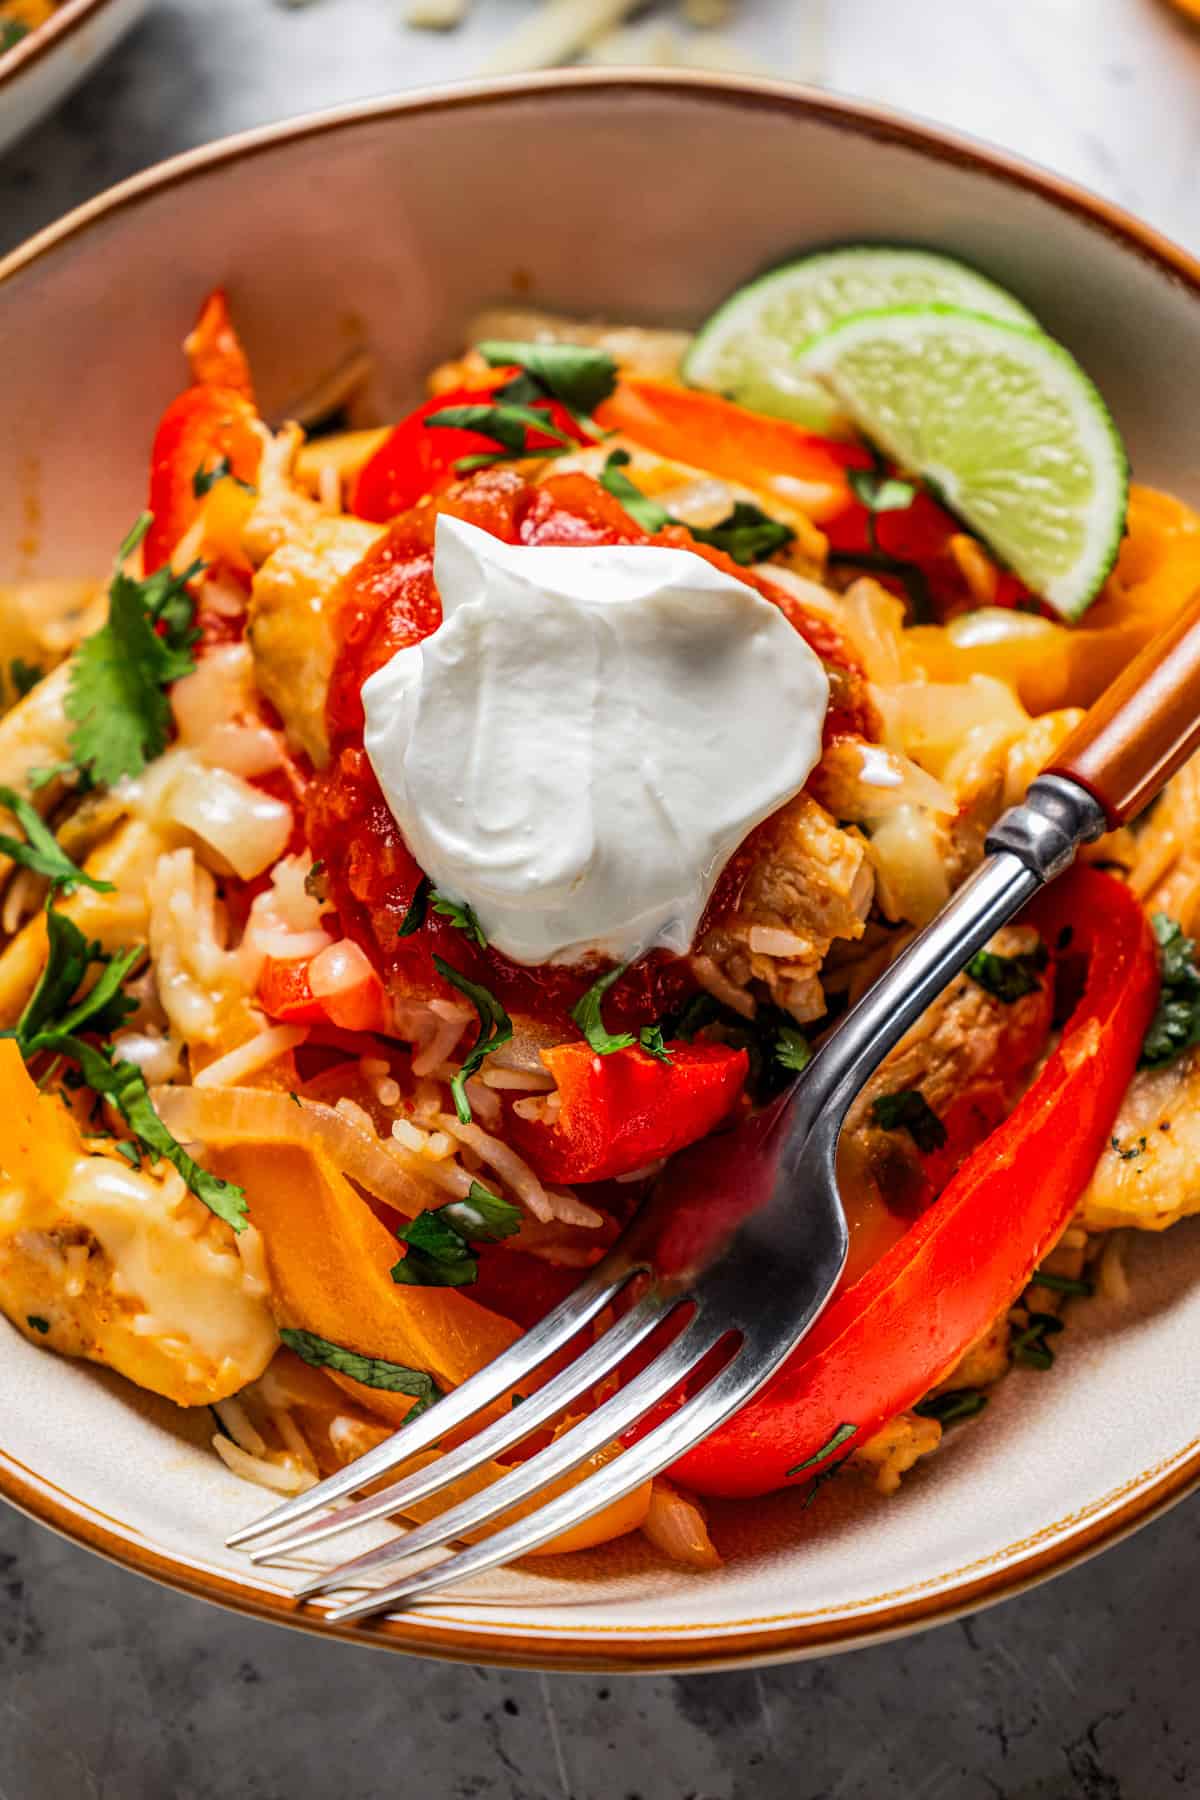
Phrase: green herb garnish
(1175, 1026)
(11, 33)
(953, 1405)
(1008, 978)
(418, 906)
(41, 851)
(439, 1240)
(204, 480)
(508, 424)
(1134, 1150)
(1029, 1345)
(119, 676)
(577, 374)
(586, 1014)
(35, 1322)
(495, 1029)
(748, 535)
(372, 1371)
(843, 1433)
(51, 1023)
(650, 1037)
(24, 676)
(315, 884)
(879, 492)
(1060, 1284)
(642, 510)
(908, 1110)
(460, 915)
(792, 1049)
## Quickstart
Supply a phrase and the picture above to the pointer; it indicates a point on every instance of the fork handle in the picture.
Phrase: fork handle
(1143, 727)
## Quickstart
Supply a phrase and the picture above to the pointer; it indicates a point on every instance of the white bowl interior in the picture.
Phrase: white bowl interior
(647, 201)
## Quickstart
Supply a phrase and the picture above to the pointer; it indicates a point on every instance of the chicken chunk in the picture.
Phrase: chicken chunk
(802, 882)
(1149, 1175)
(290, 624)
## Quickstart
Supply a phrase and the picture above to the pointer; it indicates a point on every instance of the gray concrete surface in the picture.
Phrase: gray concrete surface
(112, 1689)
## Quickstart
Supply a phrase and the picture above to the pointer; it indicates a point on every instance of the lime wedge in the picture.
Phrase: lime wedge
(747, 350)
(1002, 423)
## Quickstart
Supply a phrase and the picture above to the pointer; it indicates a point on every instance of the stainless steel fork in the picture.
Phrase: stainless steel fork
(756, 1291)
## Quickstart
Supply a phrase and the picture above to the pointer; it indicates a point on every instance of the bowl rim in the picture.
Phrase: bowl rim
(648, 1649)
(65, 20)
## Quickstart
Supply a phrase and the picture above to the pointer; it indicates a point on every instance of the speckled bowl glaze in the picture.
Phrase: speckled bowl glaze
(644, 197)
(47, 64)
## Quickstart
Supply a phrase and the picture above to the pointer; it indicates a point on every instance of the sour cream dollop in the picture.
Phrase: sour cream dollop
(586, 738)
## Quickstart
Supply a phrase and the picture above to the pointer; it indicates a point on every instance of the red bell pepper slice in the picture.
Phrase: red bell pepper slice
(418, 459)
(616, 1113)
(214, 350)
(207, 424)
(284, 994)
(897, 1332)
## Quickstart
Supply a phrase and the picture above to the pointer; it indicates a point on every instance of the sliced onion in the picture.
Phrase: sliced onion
(675, 1524)
(247, 829)
(217, 690)
(245, 750)
(230, 1115)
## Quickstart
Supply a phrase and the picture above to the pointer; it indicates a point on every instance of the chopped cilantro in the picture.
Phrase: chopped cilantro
(508, 424)
(462, 915)
(50, 1022)
(953, 1405)
(40, 850)
(1060, 1284)
(24, 676)
(650, 1037)
(414, 918)
(586, 1014)
(841, 1435)
(579, 375)
(117, 694)
(439, 1240)
(642, 510)
(495, 1029)
(792, 1049)
(1008, 978)
(204, 480)
(35, 1322)
(11, 33)
(1029, 1345)
(880, 492)
(908, 1110)
(1175, 1026)
(372, 1371)
(748, 534)
(1135, 1149)
(315, 884)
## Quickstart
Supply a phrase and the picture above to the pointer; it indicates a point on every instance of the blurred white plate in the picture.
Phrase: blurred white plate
(46, 65)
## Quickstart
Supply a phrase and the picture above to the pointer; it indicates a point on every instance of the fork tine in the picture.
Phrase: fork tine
(503, 1432)
(607, 1423)
(668, 1441)
(529, 1351)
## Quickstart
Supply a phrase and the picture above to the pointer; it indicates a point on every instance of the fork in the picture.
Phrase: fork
(739, 1297)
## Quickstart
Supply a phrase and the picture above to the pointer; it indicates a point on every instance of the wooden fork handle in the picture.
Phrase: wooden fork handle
(1143, 727)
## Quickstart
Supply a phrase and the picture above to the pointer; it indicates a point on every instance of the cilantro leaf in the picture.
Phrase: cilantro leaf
(414, 918)
(439, 1240)
(204, 480)
(842, 1435)
(748, 535)
(510, 425)
(792, 1049)
(11, 33)
(1029, 1346)
(880, 492)
(41, 851)
(579, 375)
(117, 693)
(650, 1037)
(372, 1371)
(69, 956)
(24, 676)
(461, 915)
(316, 885)
(36, 1323)
(586, 1014)
(953, 1405)
(1008, 978)
(129, 1095)
(642, 510)
(1175, 1026)
(909, 1110)
(495, 1029)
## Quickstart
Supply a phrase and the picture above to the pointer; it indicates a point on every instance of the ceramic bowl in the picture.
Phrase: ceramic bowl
(46, 65)
(643, 197)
